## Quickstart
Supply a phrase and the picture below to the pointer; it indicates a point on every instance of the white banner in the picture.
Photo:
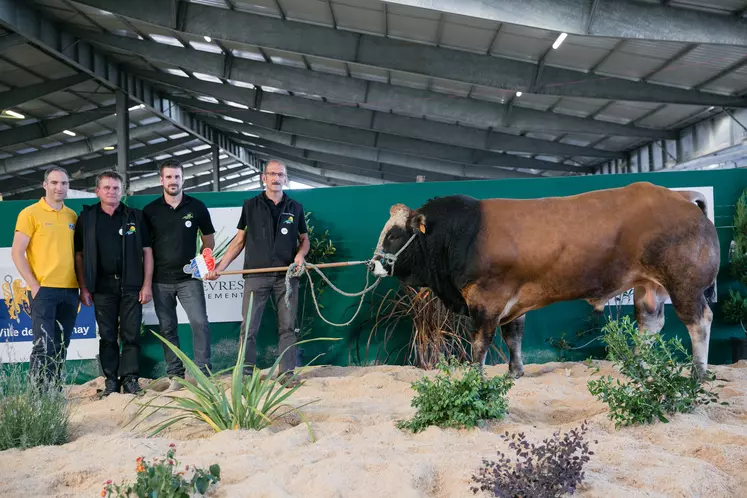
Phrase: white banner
(223, 296)
(626, 299)
(16, 336)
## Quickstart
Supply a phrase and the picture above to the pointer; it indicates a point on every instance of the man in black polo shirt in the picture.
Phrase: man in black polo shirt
(114, 266)
(272, 229)
(174, 219)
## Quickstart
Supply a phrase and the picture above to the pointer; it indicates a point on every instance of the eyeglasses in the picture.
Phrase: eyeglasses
(272, 173)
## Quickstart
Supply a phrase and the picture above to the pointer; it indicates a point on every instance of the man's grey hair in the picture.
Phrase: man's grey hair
(55, 168)
(276, 161)
(109, 174)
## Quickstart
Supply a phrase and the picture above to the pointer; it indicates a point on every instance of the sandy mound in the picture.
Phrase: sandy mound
(360, 452)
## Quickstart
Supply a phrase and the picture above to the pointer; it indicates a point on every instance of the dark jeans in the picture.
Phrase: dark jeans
(53, 314)
(191, 295)
(262, 288)
(118, 315)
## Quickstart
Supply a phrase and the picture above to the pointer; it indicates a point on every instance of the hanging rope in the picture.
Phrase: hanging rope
(295, 271)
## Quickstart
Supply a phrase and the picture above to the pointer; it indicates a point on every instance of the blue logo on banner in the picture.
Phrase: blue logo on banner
(15, 315)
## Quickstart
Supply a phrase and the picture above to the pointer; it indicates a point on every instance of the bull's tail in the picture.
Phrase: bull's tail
(696, 198)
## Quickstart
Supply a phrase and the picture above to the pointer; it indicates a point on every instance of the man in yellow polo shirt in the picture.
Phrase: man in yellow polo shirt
(43, 254)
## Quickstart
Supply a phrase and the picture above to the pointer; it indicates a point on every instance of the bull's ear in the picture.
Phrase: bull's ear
(417, 222)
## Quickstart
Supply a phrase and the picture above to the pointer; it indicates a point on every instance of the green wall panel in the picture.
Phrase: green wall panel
(354, 217)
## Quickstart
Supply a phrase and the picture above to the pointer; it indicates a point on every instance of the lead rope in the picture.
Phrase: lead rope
(295, 271)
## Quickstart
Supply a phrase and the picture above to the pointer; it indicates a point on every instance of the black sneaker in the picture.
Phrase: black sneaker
(110, 386)
(131, 386)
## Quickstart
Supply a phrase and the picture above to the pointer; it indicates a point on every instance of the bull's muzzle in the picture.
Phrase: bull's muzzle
(376, 266)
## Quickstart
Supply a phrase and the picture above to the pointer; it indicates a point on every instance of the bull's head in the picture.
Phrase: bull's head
(403, 223)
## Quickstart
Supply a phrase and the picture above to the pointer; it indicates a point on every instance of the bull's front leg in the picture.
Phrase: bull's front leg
(485, 325)
(513, 333)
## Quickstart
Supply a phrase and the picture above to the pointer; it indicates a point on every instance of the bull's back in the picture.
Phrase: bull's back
(583, 244)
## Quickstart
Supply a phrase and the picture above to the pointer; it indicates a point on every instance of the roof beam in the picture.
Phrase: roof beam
(154, 181)
(49, 127)
(18, 96)
(415, 153)
(353, 165)
(75, 149)
(289, 127)
(86, 168)
(9, 41)
(356, 117)
(616, 19)
(155, 187)
(383, 97)
(331, 172)
(87, 180)
(391, 54)
(46, 35)
(317, 181)
(351, 155)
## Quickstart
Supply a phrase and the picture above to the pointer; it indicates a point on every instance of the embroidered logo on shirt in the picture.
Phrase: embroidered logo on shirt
(71, 226)
(188, 216)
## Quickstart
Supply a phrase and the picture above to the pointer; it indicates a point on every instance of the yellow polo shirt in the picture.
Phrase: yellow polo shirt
(50, 251)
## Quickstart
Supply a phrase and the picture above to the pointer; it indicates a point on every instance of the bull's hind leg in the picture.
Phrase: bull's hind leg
(649, 310)
(692, 308)
(513, 333)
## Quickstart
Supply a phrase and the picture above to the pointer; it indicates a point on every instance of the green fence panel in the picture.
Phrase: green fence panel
(354, 217)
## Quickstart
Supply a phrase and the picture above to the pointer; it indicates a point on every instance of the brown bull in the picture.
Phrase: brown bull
(497, 259)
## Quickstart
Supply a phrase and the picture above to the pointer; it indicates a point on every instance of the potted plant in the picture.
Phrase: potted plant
(735, 306)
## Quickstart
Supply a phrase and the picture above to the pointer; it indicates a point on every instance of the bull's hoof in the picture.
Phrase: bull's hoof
(516, 372)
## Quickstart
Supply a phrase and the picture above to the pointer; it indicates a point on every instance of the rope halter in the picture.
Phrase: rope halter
(390, 258)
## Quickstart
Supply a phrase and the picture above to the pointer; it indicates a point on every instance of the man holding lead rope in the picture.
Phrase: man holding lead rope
(273, 231)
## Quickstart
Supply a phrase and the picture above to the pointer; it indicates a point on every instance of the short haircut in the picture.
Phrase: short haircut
(55, 168)
(276, 161)
(170, 163)
(109, 174)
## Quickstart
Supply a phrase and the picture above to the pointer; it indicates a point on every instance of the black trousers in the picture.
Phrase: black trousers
(118, 315)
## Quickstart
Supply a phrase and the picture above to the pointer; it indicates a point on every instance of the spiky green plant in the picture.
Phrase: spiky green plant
(255, 401)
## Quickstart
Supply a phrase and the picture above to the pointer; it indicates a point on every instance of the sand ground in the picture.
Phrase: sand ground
(360, 453)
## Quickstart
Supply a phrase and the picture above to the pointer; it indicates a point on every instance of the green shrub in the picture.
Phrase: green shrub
(655, 384)
(459, 397)
(32, 412)
(158, 479)
(735, 307)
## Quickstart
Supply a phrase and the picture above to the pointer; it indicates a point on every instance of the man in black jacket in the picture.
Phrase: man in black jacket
(272, 228)
(114, 265)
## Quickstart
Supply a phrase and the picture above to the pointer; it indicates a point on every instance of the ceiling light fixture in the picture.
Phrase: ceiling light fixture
(559, 40)
(518, 94)
(14, 114)
(68, 132)
(208, 39)
(134, 108)
(109, 147)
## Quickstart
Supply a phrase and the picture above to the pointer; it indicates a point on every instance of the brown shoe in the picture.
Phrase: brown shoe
(285, 378)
